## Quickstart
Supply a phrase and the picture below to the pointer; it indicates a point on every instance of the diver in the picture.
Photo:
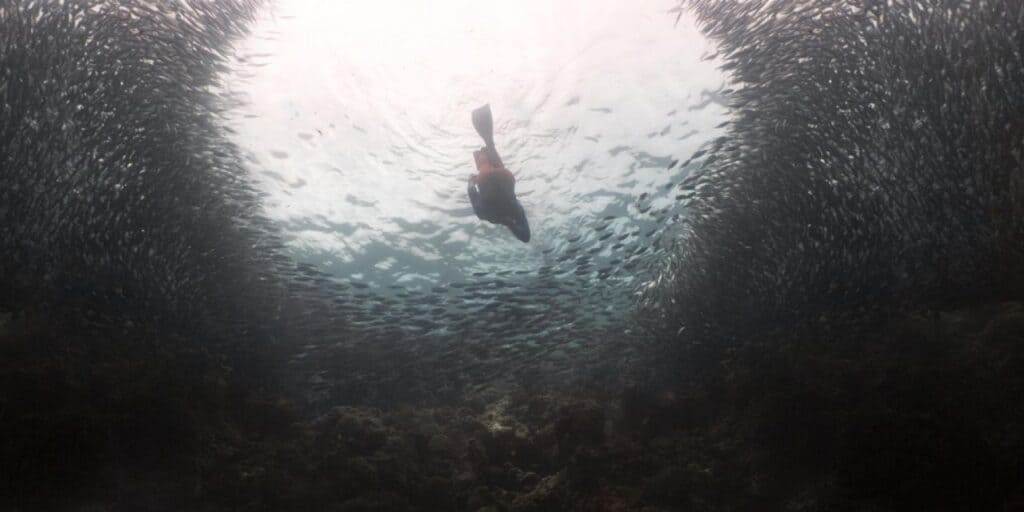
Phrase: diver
(492, 191)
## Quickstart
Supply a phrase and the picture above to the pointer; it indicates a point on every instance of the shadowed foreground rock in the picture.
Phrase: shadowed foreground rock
(887, 423)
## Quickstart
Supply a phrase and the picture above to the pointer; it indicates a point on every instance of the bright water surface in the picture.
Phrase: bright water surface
(355, 116)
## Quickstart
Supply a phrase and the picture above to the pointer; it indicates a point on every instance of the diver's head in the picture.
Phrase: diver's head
(521, 231)
(517, 224)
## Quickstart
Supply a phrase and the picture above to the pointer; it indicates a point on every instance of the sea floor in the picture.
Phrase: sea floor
(924, 416)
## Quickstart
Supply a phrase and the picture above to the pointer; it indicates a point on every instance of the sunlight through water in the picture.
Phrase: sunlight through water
(357, 114)
(355, 119)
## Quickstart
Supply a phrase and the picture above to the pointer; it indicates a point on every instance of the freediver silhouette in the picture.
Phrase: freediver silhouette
(492, 191)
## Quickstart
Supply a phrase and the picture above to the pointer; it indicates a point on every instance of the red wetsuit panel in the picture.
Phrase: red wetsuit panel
(486, 168)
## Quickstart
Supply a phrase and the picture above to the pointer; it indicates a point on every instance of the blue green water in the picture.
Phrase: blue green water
(354, 117)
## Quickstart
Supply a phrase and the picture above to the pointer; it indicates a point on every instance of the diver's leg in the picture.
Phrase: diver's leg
(492, 156)
(487, 159)
(483, 162)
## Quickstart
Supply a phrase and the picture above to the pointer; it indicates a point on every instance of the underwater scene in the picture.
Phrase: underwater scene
(584, 255)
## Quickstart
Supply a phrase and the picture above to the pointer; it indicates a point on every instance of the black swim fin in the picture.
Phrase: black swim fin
(484, 124)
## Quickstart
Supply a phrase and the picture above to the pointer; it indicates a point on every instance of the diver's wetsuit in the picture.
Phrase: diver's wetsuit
(493, 191)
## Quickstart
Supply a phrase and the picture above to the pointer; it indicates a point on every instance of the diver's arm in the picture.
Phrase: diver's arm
(474, 197)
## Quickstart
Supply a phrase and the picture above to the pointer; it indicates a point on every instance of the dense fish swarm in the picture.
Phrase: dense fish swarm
(559, 323)
(873, 165)
(138, 294)
(141, 286)
(121, 198)
(874, 162)
(125, 206)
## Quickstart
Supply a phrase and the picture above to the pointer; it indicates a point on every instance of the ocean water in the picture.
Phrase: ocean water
(241, 272)
(355, 121)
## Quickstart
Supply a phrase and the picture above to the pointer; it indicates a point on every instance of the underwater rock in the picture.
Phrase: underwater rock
(578, 425)
(354, 431)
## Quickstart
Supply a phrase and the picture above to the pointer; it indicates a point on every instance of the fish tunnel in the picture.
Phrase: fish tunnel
(776, 257)
(364, 162)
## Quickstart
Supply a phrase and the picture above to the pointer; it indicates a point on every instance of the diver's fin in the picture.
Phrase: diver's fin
(484, 124)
